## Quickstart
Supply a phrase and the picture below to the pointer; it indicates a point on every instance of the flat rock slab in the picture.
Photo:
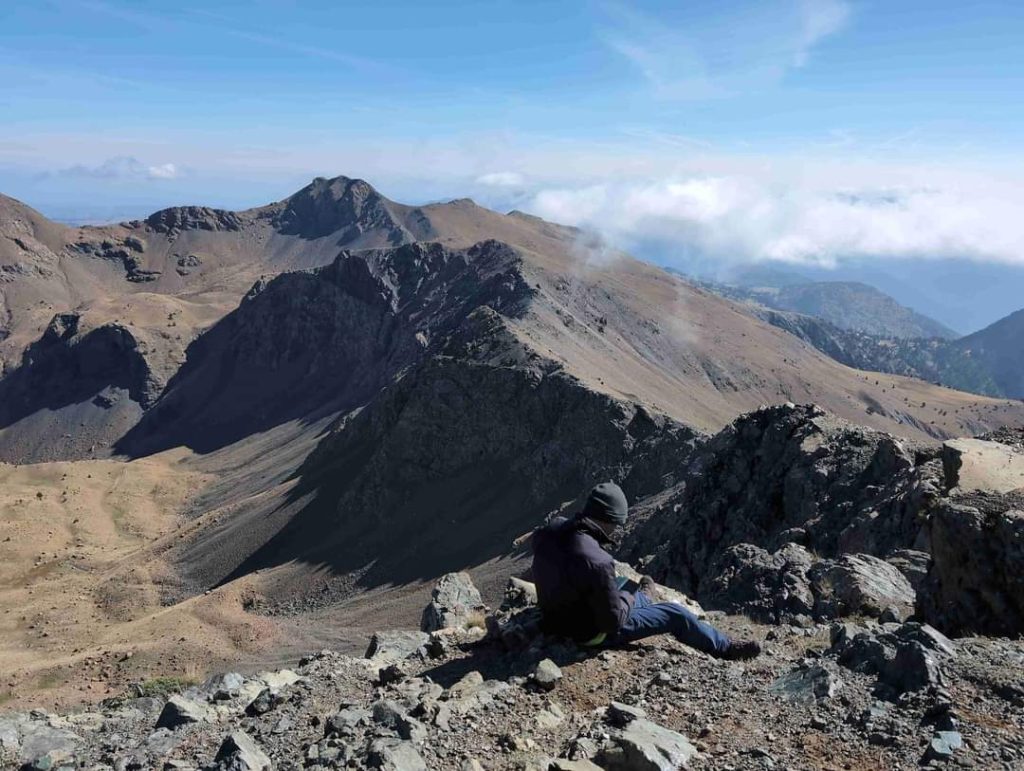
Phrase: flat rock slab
(386, 647)
(646, 746)
(976, 464)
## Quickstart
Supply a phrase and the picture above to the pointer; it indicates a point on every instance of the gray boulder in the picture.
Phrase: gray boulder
(942, 745)
(645, 746)
(473, 692)
(908, 658)
(392, 715)
(770, 587)
(913, 564)
(239, 752)
(395, 755)
(547, 675)
(806, 685)
(345, 722)
(519, 594)
(454, 602)
(222, 687)
(791, 584)
(29, 739)
(397, 645)
(180, 710)
(859, 584)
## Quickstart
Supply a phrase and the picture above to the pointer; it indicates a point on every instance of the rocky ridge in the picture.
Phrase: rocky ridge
(790, 514)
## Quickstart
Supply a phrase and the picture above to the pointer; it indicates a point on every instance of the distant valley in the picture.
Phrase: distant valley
(864, 328)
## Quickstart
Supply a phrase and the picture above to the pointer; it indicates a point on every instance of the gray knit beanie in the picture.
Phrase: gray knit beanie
(607, 503)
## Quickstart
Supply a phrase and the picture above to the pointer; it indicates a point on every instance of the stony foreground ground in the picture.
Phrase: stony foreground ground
(451, 700)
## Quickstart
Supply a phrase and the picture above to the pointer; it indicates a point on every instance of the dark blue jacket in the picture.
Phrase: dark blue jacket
(576, 587)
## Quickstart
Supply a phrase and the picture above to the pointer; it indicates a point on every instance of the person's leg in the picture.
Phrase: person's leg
(648, 619)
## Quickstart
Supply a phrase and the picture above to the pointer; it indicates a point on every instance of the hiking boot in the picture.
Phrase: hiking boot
(741, 650)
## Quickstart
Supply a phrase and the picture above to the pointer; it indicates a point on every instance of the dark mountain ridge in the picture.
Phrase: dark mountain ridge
(848, 305)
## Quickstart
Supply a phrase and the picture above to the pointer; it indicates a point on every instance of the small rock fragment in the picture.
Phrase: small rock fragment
(547, 675)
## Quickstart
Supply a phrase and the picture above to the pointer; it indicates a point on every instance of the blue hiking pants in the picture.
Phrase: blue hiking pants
(649, 618)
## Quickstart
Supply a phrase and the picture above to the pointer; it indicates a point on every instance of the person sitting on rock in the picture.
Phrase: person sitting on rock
(580, 596)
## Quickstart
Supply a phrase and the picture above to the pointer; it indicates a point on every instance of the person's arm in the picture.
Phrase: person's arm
(609, 606)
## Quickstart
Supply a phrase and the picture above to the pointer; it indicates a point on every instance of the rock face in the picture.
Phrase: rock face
(976, 536)
(976, 583)
(377, 472)
(335, 335)
(87, 377)
(779, 484)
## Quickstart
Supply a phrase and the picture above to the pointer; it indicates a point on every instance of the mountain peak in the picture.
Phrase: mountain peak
(349, 207)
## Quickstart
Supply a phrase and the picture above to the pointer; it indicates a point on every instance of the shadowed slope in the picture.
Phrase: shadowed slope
(324, 340)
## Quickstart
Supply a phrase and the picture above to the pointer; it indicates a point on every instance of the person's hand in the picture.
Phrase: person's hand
(646, 585)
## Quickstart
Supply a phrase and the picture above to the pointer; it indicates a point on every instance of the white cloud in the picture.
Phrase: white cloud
(818, 20)
(745, 218)
(163, 171)
(501, 179)
(124, 167)
(739, 50)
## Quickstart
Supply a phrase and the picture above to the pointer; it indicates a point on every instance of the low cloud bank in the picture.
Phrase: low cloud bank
(737, 218)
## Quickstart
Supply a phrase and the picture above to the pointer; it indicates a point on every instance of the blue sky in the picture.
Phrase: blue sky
(807, 131)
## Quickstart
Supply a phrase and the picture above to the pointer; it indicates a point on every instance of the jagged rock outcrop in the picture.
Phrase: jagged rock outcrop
(787, 475)
(128, 252)
(377, 474)
(176, 219)
(791, 514)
